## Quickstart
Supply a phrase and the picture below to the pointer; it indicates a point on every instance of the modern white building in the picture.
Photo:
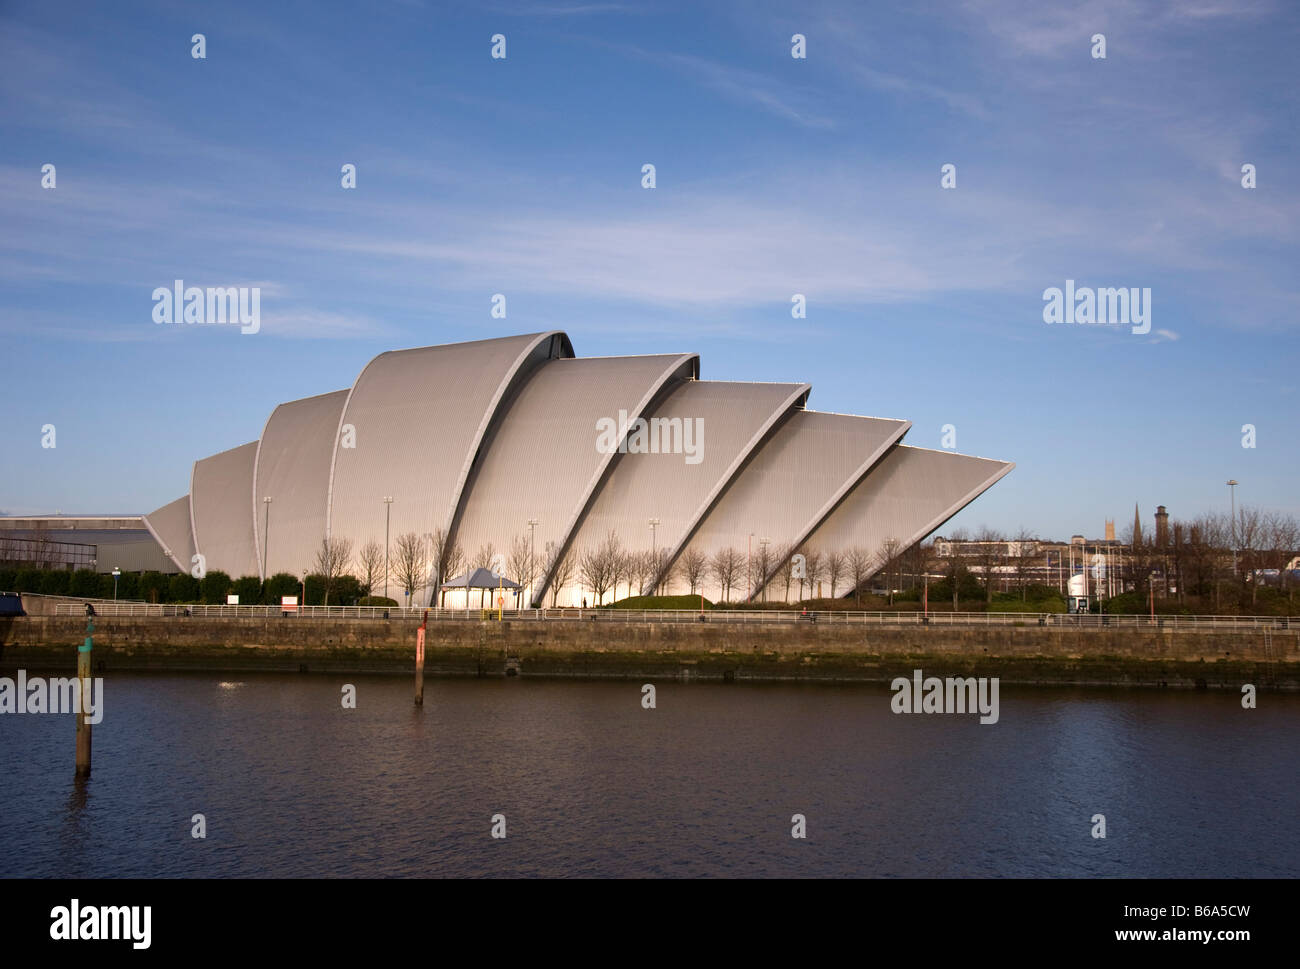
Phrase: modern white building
(498, 441)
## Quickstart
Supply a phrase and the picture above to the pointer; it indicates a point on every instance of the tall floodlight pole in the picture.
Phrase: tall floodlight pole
(388, 517)
(763, 544)
(654, 557)
(749, 568)
(266, 533)
(1232, 492)
(532, 543)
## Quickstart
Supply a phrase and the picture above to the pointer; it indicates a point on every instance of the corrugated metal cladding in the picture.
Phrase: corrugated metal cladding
(293, 469)
(543, 461)
(480, 437)
(909, 494)
(723, 422)
(172, 528)
(793, 482)
(419, 417)
(223, 527)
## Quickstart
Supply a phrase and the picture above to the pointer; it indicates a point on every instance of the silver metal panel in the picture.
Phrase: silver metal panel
(910, 493)
(171, 528)
(420, 417)
(293, 469)
(543, 462)
(733, 418)
(811, 461)
(223, 524)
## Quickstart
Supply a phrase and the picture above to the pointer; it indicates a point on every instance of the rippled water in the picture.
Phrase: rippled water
(590, 783)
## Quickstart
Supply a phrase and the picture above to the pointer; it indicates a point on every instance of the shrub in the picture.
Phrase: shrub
(213, 587)
(377, 601)
(249, 590)
(153, 586)
(84, 584)
(182, 587)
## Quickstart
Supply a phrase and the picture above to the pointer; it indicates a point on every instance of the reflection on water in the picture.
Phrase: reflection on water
(591, 783)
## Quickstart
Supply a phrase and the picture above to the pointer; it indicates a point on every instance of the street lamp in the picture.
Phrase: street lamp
(532, 540)
(1232, 492)
(654, 557)
(266, 534)
(388, 517)
(116, 573)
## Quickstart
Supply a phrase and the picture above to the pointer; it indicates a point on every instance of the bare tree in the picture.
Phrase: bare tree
(599, 566)
(560, 568)
(762, 569)
(694, 564)
(816, 569)
(410, 564)
(370, 563)
(836, 563)
(448, 559)
(859, 569)
(1025, 554)
(725, 567)
(662, 570)
(520, 563)
(886, 555)
(990, 547)
(483, 558)
(333, 559)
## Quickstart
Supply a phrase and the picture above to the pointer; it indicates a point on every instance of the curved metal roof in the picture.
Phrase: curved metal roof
(731, 419)
(219, 513)
(292, 467)
(172, 529)
(794, 481)
(542, 460)
(419, 418)
(910, 493)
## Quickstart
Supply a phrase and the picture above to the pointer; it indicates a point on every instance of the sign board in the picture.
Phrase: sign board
(232, 600)
(288, 603)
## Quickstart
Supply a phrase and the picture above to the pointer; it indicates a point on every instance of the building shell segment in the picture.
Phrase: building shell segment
(292, 468)
(419, 418)
(544, 460)
(219, 513)
(173, 530)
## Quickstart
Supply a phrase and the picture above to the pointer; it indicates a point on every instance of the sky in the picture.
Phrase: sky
(774, 176)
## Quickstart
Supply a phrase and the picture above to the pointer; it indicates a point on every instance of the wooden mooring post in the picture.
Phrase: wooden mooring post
(83, 677)
(419, 660)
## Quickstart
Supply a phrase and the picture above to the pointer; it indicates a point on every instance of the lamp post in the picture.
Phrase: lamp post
(749, 568)
(1232, 492)
(116, 574)
(388, 516)
(763, 543)
(266, 533)
(654, 557)
(532, 540)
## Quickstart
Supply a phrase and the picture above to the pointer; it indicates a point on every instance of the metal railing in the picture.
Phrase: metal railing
(740, 616)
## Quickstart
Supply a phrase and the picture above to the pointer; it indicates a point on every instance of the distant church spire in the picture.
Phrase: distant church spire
(1137, 525)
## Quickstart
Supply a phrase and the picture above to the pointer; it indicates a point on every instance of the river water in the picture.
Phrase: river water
(590, 783)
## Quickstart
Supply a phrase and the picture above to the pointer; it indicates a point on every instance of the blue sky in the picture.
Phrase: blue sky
(775, 176)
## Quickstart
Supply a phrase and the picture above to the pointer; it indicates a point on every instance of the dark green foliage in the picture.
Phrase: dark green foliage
(279, 585)
(153, 587)
(182, 588)
(249, 590)
(213, 588)
(85, 584)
